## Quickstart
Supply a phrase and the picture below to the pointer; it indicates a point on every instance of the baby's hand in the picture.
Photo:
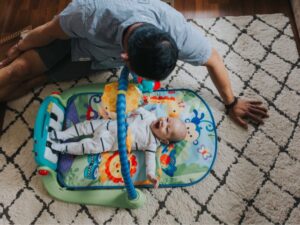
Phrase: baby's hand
(154, 180)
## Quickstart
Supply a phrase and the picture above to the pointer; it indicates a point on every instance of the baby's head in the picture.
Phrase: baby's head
(168, 129)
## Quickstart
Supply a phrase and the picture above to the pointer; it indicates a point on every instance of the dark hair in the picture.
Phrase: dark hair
(152, 52)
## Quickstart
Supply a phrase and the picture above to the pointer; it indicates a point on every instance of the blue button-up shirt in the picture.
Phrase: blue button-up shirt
(97, 26)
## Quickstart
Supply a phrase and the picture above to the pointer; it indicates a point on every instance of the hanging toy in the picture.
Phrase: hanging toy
(146, 85)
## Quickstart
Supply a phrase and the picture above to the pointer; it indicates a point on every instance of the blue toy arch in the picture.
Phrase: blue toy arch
(122, 133)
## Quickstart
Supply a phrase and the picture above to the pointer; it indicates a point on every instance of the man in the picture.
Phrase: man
(90, 35)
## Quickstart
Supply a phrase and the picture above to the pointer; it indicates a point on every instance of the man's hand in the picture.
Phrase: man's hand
(245, 109)
(242, 109)
(38, 37)
(11, 55)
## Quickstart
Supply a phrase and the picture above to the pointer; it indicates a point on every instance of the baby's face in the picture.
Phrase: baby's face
(168, 129)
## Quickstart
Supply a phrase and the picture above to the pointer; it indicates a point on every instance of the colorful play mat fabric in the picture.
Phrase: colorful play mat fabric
(179, 164)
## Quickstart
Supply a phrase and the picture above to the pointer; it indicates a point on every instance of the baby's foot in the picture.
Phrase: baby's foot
(55, 146)
(153, 180)
(53, 135)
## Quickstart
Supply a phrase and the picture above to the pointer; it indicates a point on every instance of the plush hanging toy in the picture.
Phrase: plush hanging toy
(107, 107)
(147, 85)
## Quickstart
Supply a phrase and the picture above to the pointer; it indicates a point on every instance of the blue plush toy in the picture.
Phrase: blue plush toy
(145, 85)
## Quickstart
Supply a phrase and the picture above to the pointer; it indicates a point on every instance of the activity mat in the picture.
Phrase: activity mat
(178, 164)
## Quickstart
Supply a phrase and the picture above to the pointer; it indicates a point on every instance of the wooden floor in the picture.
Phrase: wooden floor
(17, 14)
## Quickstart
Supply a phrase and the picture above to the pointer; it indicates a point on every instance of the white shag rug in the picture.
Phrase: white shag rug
(255, 179)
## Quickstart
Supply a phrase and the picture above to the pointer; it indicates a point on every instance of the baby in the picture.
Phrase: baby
(147, 132)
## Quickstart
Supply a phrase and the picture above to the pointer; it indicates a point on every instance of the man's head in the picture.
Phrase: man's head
(150, 52)
(168, 129)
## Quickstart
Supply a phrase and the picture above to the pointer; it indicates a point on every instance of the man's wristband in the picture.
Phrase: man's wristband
(231, 105)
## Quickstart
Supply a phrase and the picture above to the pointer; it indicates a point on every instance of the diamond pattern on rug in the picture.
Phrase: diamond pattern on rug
(256, 176)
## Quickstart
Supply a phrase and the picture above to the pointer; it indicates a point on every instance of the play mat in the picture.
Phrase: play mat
(180, 164)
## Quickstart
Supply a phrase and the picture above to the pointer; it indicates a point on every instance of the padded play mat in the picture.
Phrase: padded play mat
(180, 164)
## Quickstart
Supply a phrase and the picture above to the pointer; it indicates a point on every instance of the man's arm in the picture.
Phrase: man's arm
(219, 76)
(40, 36)
(243, 108)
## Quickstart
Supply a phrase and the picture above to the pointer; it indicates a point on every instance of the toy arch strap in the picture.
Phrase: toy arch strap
(122, 133)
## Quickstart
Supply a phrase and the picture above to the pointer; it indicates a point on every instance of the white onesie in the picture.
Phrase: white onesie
(104, 137)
